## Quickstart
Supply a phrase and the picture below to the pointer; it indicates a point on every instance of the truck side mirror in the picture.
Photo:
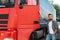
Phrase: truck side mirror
(21, 6)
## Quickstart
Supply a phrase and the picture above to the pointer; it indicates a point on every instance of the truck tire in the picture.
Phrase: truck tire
(37, 35)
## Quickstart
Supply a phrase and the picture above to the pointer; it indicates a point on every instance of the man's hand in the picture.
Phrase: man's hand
(55, 31)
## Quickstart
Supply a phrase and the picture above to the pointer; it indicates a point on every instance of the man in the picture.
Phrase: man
(52, 27)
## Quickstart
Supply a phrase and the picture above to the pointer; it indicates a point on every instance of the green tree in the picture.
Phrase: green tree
(57, 7)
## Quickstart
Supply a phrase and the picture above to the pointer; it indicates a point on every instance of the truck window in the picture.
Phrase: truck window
(28, 2)
(6, 3)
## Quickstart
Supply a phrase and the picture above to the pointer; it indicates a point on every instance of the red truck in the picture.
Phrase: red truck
(19, 19)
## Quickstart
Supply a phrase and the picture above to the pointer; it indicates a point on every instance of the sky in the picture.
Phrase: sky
(56, 2)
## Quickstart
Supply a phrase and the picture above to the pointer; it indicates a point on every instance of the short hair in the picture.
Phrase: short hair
(50, 14)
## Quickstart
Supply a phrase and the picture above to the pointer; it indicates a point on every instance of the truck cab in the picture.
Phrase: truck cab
(19, 19)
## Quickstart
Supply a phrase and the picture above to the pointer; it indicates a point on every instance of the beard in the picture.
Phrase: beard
(50, 19)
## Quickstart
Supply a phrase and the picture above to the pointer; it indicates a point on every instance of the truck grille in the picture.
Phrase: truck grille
(3, 21)
(3, 16)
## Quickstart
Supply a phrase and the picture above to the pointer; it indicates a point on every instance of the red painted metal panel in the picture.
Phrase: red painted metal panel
(7, 34)
(12, 20)
(4, 10)
(35, 26)
(24, 31)
(26, 17)
(24, 34)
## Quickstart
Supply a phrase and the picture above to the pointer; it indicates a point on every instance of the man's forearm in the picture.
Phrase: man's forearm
(41, 15)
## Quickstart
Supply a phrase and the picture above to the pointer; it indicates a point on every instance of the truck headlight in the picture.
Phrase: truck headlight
(8, 39)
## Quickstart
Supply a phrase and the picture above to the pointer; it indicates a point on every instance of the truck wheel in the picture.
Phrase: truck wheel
(37, 35)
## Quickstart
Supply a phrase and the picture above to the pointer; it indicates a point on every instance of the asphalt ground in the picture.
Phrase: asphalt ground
(45, 39)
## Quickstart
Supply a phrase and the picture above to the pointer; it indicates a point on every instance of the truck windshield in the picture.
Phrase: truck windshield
(6, 3)
(28, 2)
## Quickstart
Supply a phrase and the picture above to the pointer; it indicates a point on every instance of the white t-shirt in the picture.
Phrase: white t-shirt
(50, 28)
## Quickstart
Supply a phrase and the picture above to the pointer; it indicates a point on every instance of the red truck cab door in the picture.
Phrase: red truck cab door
(27, 17)
(28, 11)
